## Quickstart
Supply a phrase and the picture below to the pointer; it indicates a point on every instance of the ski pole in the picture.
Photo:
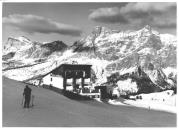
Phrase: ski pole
(32, 100)
(22, 100)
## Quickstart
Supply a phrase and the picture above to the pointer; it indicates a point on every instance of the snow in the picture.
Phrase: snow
(23, 39)
(162, 101)
(106, 37)
(52, 109)
(46, 42)
(152, 105)
(170, 82)
(63, 57)
(116, 102)
(127, 70)
(123, 48)
(25, 73)
(139, 38)
(68, 53)
(169, 70)
(168, 39)
(115, 92)
(116, 37)
(127, 85)
(147, 51)
(27, 61)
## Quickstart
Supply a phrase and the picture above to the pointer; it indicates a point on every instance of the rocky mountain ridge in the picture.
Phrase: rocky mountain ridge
(109, 52)
(23, 50)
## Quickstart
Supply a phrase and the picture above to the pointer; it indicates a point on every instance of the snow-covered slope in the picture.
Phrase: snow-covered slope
(52, 109)
(168, 39)
(32, 71)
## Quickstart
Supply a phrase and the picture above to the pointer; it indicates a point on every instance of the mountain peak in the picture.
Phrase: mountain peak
(148, 27)
(147, 30)
(98, 30)
(23, 39)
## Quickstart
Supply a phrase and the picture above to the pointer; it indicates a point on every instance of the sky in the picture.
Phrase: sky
(68, 22)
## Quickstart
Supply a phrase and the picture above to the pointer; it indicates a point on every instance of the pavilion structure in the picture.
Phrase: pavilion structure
(74, 71)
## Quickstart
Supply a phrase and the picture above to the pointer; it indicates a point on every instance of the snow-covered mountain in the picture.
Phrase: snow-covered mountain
(21, 51)
(16, 44)
(126, 51)
(109, 52)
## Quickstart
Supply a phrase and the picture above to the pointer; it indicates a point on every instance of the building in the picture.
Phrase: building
(71, 77)
(68, 76)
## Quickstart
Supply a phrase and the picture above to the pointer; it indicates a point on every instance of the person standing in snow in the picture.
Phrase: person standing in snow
(27, 95)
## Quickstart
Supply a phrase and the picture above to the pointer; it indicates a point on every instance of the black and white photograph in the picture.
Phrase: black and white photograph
(89, 64)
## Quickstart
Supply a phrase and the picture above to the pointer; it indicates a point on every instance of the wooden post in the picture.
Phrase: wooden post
(100, 94)
(82, 82)
(40, 81)
(64, 81)
(74, 83)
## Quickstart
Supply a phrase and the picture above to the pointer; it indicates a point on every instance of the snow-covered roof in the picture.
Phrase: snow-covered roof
(59, 67)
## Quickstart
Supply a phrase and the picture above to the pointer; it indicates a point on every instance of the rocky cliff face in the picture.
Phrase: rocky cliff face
(130, 48)
(127, 50)
(145, 57)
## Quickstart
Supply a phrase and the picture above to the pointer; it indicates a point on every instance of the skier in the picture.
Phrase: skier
(27, 95)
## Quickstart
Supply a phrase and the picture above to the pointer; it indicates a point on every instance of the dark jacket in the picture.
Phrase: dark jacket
(27, 92)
